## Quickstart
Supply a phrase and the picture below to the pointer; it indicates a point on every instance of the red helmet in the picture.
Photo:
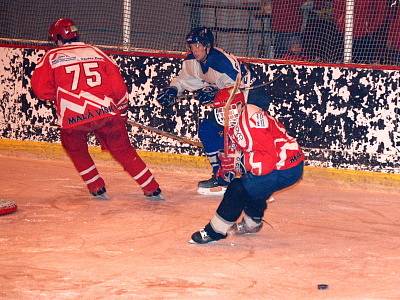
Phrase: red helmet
(235, 108)
(64, 28)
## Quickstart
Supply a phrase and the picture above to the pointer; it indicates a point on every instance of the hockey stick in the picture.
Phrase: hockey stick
(226, 112)
(189, 141)
(262, 84)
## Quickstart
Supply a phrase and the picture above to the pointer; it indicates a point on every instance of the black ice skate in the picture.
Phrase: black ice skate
(101, 194)
(212, 187)
(206, 235)
(202, 237)
(154, 196)
(242, 228)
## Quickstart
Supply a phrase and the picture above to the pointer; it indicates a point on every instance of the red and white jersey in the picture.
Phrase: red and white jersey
(265, 144)
(84, 83)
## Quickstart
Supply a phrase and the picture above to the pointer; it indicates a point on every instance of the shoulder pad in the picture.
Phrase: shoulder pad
(256, 117)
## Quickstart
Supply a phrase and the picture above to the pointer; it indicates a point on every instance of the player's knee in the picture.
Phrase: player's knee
(211, 136)
(71, 147)
(124, 155)
(209, 126)
(237, 187)
(118, 142)
(204, 128)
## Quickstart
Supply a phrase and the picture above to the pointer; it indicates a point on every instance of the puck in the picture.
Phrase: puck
(322, 286)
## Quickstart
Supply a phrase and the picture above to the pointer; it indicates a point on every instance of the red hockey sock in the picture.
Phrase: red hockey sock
(74, 143)
(137, 168)
(92, 178)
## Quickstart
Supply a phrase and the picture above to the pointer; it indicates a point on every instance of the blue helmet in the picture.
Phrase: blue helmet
(202, 35)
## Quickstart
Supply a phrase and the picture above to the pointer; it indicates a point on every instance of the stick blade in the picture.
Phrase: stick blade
(7, 207)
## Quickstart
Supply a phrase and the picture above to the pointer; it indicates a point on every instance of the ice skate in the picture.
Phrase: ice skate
(101, 194)
(212, 187)
(202, 237)
(154, 196)
(242, 228)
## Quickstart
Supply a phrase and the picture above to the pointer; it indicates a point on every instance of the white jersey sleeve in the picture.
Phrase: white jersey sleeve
(219, 70)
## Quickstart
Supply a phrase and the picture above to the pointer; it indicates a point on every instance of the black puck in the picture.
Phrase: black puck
(322, 286)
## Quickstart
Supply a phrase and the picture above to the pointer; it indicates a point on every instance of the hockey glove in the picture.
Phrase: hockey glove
(227, 167)
(167, 97)
(206, 95)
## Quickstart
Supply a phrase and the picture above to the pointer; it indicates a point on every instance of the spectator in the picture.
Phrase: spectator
(322, 41)
(368, 26)
(286, 24)
(393, 37)
(295, 51)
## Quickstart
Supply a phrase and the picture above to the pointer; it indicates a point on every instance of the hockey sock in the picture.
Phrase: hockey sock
(92, 178)
(220, 225)
(137, 168)
(250, 222)
(75, 144)
(214, 161)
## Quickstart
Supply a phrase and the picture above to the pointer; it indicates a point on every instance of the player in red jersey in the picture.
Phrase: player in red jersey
(271, 160)
(90, 96)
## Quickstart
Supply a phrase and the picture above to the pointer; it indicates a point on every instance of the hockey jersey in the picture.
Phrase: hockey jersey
(83, 81)
(265, 144)
(219, 70)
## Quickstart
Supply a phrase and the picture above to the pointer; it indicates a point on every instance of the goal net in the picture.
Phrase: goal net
(333, 31)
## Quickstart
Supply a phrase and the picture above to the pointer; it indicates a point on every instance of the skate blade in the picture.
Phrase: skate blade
(195, 243)
(159, 197)
(102, 197)
(215, 191)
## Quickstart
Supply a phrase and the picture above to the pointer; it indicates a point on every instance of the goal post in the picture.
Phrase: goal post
(127, 13)
(348, 31)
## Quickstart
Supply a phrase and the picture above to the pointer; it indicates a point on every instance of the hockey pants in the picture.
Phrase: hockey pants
(112, 135)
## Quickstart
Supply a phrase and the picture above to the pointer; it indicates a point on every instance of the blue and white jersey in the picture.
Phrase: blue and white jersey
(219, 70)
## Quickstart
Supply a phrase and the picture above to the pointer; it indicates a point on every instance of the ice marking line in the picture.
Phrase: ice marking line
(51, 179)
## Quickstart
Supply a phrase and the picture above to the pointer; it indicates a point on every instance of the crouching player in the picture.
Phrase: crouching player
(90, 97)
(272, 160)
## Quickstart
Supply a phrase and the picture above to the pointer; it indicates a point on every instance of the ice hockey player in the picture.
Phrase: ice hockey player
(272, 160)
(207, 69)
(90, 96)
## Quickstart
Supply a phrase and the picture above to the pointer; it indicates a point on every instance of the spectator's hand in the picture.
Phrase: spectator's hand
(167, 97)
(206, 95)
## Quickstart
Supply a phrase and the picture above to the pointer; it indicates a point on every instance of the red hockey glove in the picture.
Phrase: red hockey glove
(227, 167)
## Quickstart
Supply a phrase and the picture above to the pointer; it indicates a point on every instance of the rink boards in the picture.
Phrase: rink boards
(345, 118)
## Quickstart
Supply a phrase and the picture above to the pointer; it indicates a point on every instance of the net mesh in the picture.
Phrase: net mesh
(333, 31)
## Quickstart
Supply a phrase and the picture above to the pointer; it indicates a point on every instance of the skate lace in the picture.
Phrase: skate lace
(203, 234)
(267, 223)
(242, 226)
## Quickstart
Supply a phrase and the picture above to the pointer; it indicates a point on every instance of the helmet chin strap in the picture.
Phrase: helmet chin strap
(206, 56)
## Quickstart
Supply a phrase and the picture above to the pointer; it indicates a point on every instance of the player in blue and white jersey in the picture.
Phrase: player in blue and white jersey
(207, 69)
